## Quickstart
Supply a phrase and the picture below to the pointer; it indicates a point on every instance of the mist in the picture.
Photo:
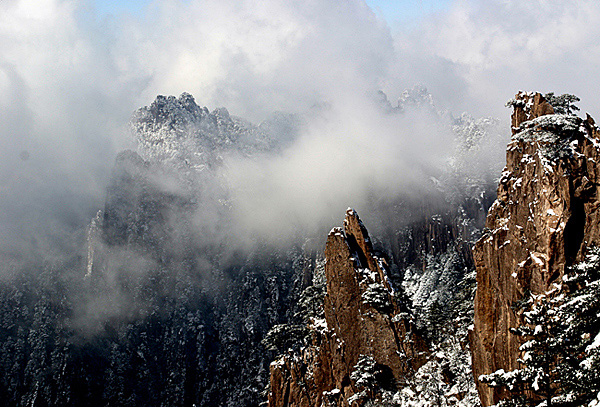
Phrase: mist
(148, 245)
(353, 153)
(72, 78)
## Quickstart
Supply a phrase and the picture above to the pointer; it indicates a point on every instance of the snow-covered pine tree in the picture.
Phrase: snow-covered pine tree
(536, 379)
(579, 334)
(562, 104)
(561, 356)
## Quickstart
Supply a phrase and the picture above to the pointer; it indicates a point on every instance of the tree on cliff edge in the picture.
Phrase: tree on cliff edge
(562, 104)
(561, 355)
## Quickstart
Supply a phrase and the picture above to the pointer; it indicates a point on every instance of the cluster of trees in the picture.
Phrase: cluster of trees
(190, 347)
(562, 104)
(560, 361)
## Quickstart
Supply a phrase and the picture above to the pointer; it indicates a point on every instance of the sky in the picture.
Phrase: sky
(71, 77)
(393, 11)
(458, 42)
(406, 11)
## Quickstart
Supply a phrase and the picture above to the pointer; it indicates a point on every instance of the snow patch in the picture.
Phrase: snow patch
(594, 345)
(537, 260)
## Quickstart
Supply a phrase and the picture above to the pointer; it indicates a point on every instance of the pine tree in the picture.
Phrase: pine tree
(539, 351)
(579, 333)
(560, 363)
(562, 104)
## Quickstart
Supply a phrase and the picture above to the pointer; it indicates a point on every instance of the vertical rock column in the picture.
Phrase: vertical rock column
(362, 317)
(545, 215)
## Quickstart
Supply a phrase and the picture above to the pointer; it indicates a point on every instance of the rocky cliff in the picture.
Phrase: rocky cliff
(545, 218)
(170, 308)
(364, 345)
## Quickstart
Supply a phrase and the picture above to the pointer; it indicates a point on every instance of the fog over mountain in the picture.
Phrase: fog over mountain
(168, 178)
(70, 81)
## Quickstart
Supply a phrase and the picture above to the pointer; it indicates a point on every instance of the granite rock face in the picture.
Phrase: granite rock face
(528, 106)
(363, 320)
(545, 216)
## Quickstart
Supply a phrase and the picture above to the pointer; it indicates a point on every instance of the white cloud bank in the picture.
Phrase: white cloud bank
(479, 53)
(68, 83)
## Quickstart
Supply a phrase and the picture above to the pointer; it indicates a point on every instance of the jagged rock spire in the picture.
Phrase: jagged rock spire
(362, 319)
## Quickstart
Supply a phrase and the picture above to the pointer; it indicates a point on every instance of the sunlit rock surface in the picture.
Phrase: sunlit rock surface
(545, 215)
(362, 318)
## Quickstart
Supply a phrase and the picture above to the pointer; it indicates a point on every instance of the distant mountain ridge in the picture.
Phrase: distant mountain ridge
(177, 130)
(167, 307)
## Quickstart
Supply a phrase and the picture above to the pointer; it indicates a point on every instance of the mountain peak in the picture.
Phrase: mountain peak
(528, 106)
(543, 221)
(367, 333)
(180, 132)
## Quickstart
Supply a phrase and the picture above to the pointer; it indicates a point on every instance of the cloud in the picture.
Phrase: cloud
(63, 110)
(355, 152)
(494, 48)
(69, 82)
(257, 57)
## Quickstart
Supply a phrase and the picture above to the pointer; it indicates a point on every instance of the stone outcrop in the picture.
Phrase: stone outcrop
(362, 318)
(528, 106)
(545, 216)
